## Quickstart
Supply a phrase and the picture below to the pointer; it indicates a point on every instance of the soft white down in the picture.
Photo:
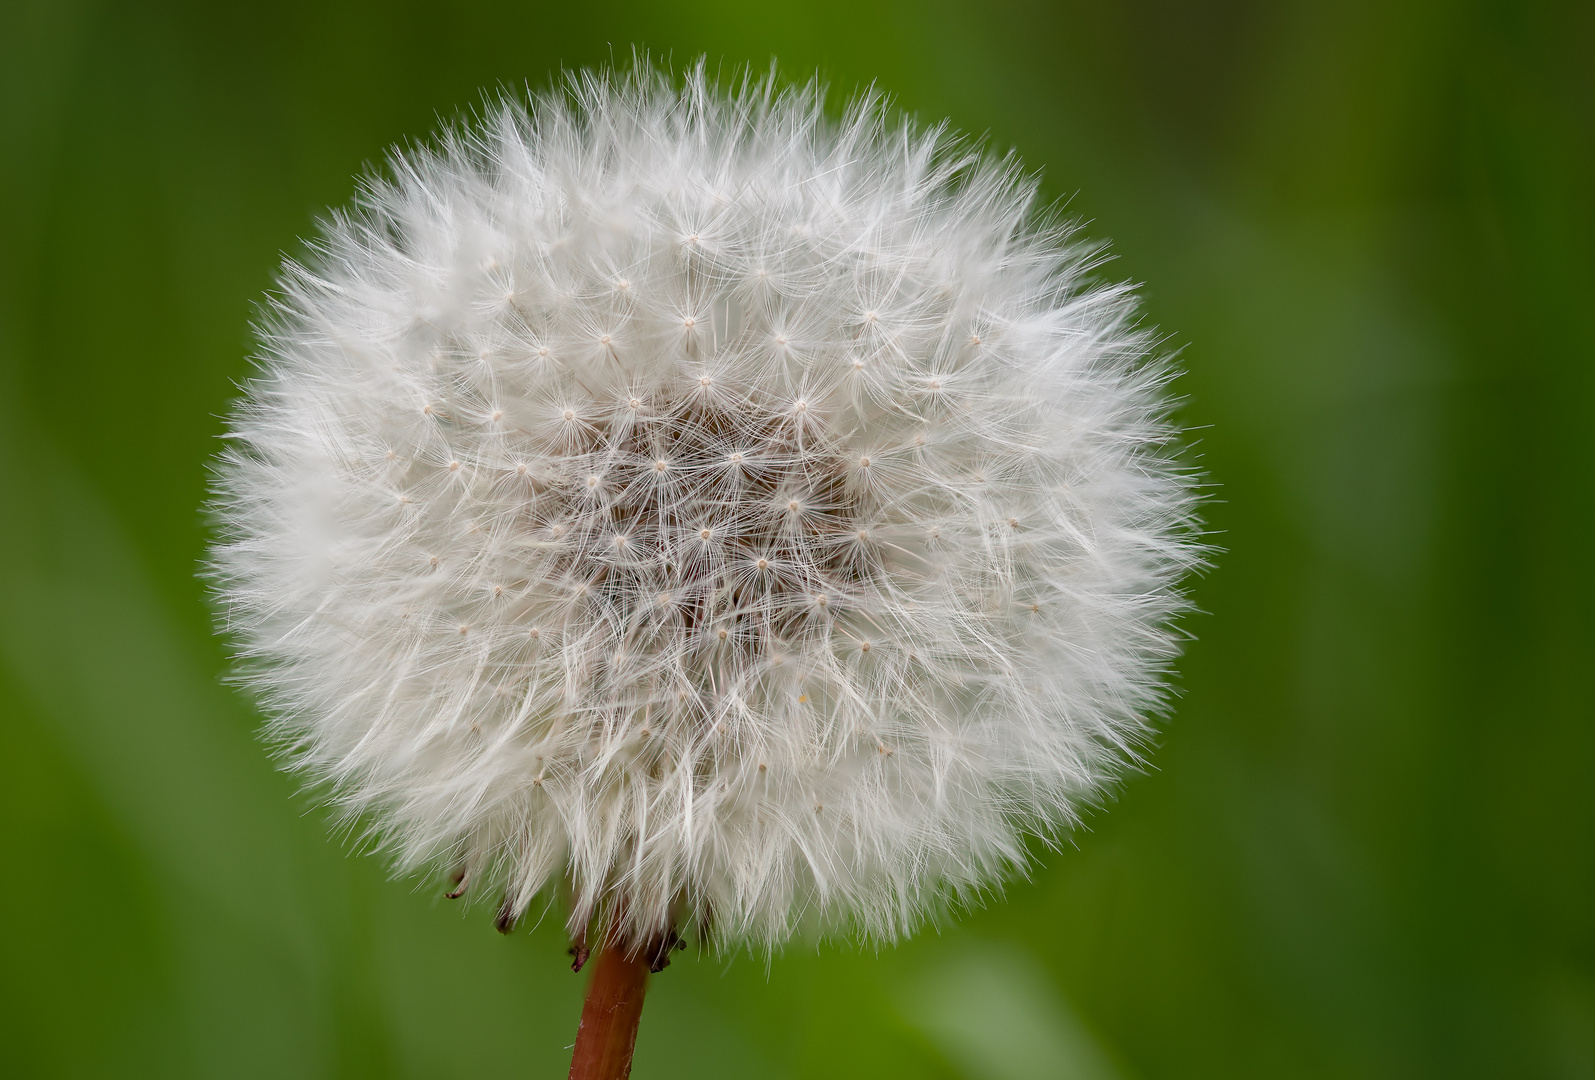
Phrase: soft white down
(705, 512)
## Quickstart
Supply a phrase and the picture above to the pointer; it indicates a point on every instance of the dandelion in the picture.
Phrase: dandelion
(732, 521)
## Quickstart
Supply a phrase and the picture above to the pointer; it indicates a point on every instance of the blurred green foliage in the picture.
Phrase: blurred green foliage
(1367, 846)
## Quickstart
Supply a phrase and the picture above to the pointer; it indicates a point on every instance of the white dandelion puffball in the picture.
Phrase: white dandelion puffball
(714, 514)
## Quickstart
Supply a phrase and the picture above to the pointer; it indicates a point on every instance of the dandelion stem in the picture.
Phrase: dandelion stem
(608, 1031)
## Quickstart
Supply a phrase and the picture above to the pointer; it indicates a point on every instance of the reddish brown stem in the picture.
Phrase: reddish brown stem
(608, 1031)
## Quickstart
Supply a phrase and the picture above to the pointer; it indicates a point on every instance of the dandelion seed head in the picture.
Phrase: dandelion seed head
(795, 574)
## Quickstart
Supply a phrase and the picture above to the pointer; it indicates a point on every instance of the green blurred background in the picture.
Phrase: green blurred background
(1367, 846)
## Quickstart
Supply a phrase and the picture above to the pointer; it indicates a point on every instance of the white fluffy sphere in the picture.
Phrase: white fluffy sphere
(736, 518)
